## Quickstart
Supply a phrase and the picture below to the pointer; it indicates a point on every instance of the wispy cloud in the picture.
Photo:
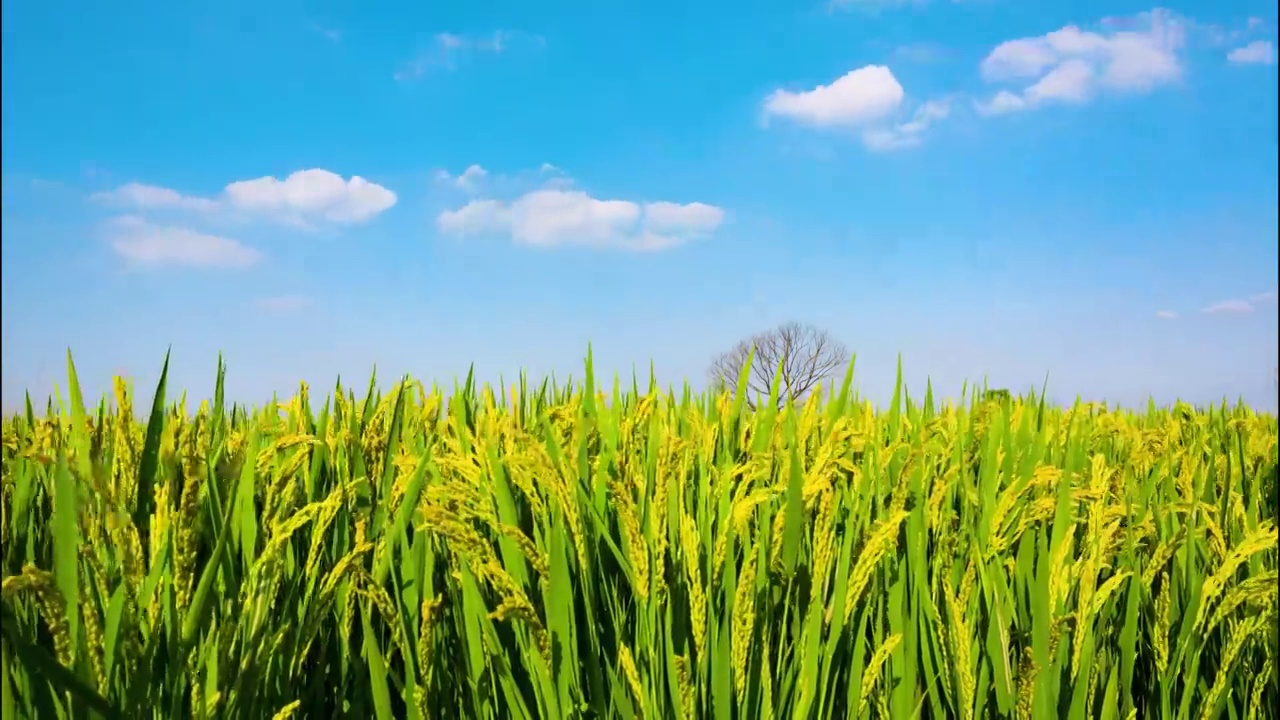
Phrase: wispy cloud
(151, 197)
(147, 245)
(446, 50)
(1167, 315)
(476, 180)
(1258, 52)
(920, 52)
(470, 180)
(329, 33)
(1218, 35)
(1239, 306)
(910, 133)
(1229, 307)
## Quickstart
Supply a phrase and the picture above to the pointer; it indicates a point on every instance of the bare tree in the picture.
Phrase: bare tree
(806, 354)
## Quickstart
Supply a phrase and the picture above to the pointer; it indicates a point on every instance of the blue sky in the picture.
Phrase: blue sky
(990, 188)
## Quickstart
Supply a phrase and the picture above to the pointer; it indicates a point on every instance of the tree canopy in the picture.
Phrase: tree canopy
(804, 354)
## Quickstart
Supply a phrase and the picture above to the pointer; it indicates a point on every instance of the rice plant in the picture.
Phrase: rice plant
(623, 552)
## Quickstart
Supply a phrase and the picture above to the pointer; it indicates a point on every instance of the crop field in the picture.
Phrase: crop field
(607, 550)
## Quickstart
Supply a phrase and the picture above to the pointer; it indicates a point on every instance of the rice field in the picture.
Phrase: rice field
(621, 551)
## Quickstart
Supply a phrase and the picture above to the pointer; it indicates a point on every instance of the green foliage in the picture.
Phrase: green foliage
(557, 552)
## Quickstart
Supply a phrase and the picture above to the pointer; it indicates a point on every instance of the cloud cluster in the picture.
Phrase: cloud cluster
(305, 199)
(1069, 66)
(552, 216)
(309, 196)
(868, 100)
(1072, 65)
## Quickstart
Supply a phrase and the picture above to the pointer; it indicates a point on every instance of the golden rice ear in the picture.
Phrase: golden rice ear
(565, 551)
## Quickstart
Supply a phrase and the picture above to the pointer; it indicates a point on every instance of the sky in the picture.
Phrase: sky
(990, 189)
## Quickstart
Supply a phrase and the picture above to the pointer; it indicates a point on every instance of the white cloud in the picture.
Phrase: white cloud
(1001, 103)
(478, 217)
(1071, 65)
(664, 217)
(868, 100)
(1242, 306)
(1167, 315)
(1017, 59)
(551, 217)
(148, 245)
(860, 97)
(471, 178)
(303, 198)
(1070, 82)
(1258, 52)
(151, 197)
(910, 133)
(554, 217)
(1233, 307)
(450, 41)
(308, 195)
(469, 181)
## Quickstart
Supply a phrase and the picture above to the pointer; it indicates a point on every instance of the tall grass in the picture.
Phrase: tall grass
(559, 552)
